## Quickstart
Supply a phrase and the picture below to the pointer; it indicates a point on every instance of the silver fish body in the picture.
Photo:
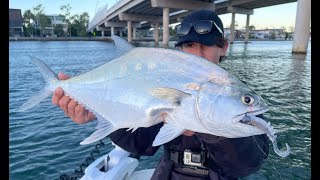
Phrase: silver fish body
(146, 86)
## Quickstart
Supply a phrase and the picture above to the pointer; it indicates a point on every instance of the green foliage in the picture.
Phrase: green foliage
(79, 24)
(252, 28)
(65, 12)
(58, 30)
(272, 35)
(172, 31)
(28, 19)
(41, 20)
(44, 22)
(36, 21)
(38, 9)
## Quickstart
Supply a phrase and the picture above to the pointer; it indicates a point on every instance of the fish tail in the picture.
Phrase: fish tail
(48, 76)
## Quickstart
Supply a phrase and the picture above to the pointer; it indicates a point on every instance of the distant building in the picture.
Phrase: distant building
(268, 34)
(55, 20)
(15, 23)
(237, 33)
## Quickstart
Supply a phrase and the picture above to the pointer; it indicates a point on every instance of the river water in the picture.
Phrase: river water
(44, 143)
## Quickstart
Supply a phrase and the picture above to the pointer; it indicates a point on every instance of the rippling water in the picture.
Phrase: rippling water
(44, 143)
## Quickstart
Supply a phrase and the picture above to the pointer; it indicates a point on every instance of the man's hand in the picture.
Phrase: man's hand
(70, 107)
(188, 133)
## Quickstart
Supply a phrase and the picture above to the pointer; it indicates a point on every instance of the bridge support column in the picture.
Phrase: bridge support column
(134, 36)
(232, 28)
(112, 30)
(302, 27)
(165, 27)
(246, 38)
(129, 31)
(156, 34)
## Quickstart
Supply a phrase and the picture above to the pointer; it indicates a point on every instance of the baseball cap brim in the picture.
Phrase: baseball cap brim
(209, 39)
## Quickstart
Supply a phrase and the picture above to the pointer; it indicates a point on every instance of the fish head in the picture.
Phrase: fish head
(221, 107)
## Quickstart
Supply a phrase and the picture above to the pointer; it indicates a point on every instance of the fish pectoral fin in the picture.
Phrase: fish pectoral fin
(104, 128)
(168, 132)
(158, 114)
(173, 95)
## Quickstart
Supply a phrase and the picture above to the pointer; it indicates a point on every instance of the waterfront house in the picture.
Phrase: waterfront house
(15, 23)
(55, 20)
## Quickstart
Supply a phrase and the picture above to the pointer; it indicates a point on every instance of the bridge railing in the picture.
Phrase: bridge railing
(98, 17)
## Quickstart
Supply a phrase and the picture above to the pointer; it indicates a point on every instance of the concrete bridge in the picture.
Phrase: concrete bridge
(128, 15)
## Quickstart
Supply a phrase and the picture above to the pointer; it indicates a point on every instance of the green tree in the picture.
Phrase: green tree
(65, 11)
(252, 28)
(44, 22)
(291, 29)
(79, 24)
(28, 19)
(272, 35)
(172, 31)
(58, 30)
(83, 22)
(39, 17)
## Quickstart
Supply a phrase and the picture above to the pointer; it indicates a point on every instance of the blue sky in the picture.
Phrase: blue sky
(268, 17)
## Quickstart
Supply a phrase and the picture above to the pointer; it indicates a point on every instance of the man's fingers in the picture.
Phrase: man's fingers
(63, 76)
(91, 116)
(63, 102)
(80, 114)
(71, 108)
(58, 93)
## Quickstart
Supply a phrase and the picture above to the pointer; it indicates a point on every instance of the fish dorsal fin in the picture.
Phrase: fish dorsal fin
(173, 95)
(122, 45)
(168, 132)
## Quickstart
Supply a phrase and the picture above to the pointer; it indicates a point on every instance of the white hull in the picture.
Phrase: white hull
(116, 165)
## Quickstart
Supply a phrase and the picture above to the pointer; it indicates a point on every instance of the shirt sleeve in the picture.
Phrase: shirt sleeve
(138, 142)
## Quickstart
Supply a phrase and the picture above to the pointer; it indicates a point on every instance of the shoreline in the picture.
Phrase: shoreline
(60, 39)
(108, 39)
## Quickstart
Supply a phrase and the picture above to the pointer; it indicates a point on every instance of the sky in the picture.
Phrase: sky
(278, 16)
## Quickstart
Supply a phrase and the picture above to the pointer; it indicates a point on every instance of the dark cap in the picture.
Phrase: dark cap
(214, 37)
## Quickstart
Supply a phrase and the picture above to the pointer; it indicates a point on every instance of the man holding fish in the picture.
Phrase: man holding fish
(192, 155)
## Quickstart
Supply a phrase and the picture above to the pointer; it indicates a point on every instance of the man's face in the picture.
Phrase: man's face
(211, 53)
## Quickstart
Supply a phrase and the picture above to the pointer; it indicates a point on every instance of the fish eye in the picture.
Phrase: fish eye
(247, 99)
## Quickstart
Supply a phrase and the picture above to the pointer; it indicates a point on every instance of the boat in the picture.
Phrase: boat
(116, 165)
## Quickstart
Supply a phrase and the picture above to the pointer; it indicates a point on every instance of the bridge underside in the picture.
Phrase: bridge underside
(132, 15)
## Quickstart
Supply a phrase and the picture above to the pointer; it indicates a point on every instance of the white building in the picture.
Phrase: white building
(55, 20)
(268, 34)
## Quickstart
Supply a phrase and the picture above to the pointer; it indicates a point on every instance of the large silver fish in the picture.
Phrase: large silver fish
(145, 86)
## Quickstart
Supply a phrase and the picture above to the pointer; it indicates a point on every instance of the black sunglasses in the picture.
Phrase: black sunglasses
(201, 27)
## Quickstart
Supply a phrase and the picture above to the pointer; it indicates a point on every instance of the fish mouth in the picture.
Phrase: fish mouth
(267, 129)
(238, 118)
